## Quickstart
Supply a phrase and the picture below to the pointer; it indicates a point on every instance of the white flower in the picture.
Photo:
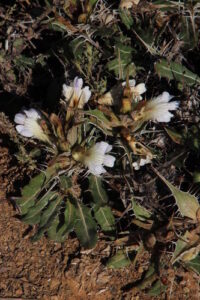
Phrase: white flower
(137, 90)
(141, 162)
(29, 125)
(158, 109)
(96, 157)
(75, 94)
(114, 95)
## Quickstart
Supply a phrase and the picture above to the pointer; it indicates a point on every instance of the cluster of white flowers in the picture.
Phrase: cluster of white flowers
(158, 110)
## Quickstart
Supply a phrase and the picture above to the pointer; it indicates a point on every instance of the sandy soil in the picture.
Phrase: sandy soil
(48, 270)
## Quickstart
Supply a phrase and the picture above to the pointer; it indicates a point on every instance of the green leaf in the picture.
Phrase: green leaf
(194, 264)
(99, 194)
(65, 183)
(156, 289)
(85, 227)
(140, 212)
(188, 204)
(176, 71)
(186, 250)
(57, 26)
(122, 63)
(22, 61)
(33, 215)
(120, 260)
(77, 47)
(174, 135)
(59, 233)
(126, 18)
(52, 232)
(147, 39)
(48, 217)
(196, 177)
(30, 193)
(99, 115)
(105, 219)
(181, 244)
(149, 277)
(51, 209)
(187, 34)
(92, 2)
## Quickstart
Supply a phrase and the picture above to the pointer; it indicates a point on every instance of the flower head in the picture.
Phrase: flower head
(158, 109)
(136, 90)
(75, 94)
(29, 126)
(95, 158)
(141, 162)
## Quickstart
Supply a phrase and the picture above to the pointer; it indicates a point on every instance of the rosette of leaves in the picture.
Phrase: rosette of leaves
(52, 201)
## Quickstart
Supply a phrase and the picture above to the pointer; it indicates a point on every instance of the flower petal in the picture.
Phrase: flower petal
(166, 117)
(173, 105)
(96, 169)
(144, 161)
(19, 128)
(67, 92)
(136, 165)
(164, 97)
(86, 94)
(78, 83)
(20, 118)
(101, 147)
(140, 88)
(32, 113)
(109, 161)
(131, 83)
(108, 149)
(24, 131)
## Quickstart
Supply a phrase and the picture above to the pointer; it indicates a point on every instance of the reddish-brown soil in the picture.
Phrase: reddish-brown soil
(48, 270)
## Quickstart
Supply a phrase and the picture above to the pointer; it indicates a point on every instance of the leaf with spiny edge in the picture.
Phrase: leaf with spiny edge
(188, 204)
(172, 70)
